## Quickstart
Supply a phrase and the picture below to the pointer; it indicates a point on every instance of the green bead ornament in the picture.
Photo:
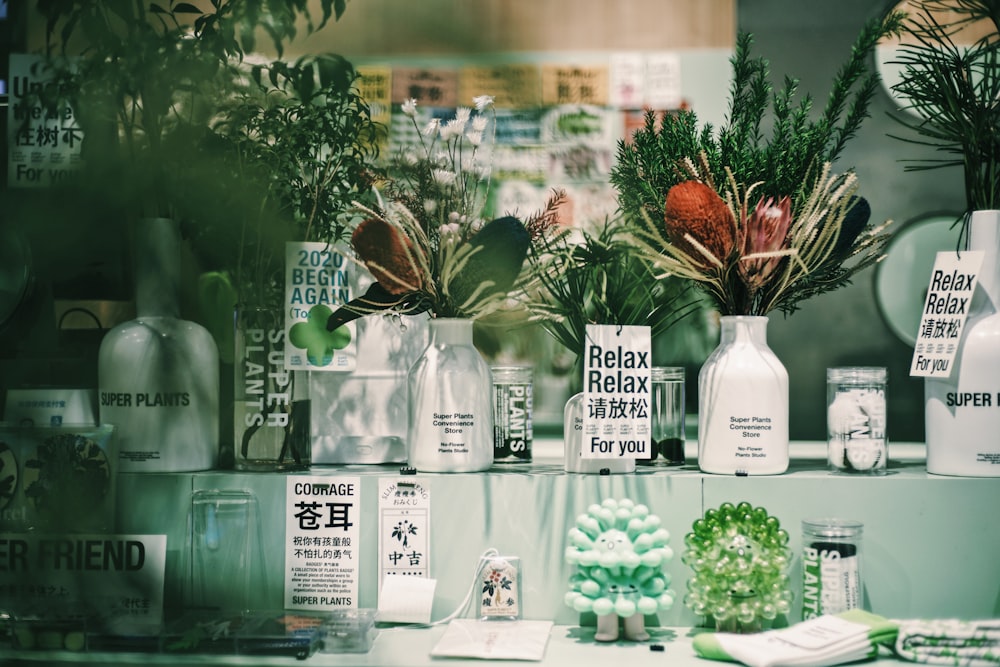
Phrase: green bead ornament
(740, 557)
(619, 550)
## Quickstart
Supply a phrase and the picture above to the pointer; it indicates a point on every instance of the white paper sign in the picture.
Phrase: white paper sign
(628, 80)
(616, 392)
(946, 309)
(322, 542)
(663, 81)
(115, 578)
(44, 145)
(318, 279)
(404, 533)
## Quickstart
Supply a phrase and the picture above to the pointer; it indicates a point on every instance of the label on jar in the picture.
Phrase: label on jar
(856, 424)
(512, 427)
(831, 579)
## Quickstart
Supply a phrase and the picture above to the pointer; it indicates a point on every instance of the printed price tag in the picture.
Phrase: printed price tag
(616, 392)
(318, 278)
(946, 309)
(322, 542)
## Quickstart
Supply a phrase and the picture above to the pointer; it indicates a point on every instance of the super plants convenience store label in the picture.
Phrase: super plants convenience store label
(318, 279)
(616, 392)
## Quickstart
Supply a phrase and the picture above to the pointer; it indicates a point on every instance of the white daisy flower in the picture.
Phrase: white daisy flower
(410, 107)
(482, 102)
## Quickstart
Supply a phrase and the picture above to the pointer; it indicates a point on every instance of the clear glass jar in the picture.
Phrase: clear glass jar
(666, 415)
(831, 566)
(856, 419)
(512, 408)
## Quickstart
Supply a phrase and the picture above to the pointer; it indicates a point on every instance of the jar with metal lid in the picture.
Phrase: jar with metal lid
(831, 566)
(856, 419)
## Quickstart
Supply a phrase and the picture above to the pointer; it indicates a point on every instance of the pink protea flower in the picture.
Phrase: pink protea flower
(765, 240)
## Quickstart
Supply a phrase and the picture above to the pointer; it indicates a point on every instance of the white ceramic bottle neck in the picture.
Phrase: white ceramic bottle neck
(451, 331)
(984, 235)
(743, 329)
(157, 268)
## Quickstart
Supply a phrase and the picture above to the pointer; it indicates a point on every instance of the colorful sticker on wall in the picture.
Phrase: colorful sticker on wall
(574, 84)
(318, 278)
(322, 542)
(516, 86)
(431, 87)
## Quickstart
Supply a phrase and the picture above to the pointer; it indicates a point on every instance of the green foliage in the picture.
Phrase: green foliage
(953, 91)
(785, 163)
(600, 278)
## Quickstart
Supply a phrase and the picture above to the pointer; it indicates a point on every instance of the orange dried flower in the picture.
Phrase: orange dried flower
(695, 215)
(388, 255)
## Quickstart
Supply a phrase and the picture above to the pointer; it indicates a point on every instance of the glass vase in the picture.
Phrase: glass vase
(450, 407)
(270, 403)
(961, 414)
(743, 403)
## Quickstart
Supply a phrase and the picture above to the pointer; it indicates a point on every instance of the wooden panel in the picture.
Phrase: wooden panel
(450, 27)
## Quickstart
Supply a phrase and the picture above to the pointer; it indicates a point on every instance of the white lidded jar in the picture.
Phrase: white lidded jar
(962, 411)
(158, 375)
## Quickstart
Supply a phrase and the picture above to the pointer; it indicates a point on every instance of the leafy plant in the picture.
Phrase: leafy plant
(599, 277)
(145, 79)
(787, 163)
(73, 479)
(760, 223)
(953, 90)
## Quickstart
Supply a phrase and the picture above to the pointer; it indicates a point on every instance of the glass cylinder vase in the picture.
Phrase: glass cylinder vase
(270, 403)
(743, 403)
(450, 403)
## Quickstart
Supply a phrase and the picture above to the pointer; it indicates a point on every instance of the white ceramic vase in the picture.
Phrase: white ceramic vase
(450, 399)
(158, 375)
(743, 403)
(962, 411)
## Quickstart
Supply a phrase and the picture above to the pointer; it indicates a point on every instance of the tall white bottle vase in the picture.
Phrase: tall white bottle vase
(450, 397)
(158, 375)
(743, 403)
(962, 411)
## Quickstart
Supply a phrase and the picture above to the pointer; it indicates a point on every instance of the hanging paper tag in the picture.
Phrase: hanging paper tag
(404, 509)
(318, 278)
(322, 542)
(616, 392)
(946, 309)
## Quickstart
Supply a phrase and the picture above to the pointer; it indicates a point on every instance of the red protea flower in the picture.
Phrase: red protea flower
(388, 254)
(765, 240)
(699, 223)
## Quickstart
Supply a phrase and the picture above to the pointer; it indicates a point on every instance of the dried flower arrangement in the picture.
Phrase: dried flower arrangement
(761, 224)
(425, 241)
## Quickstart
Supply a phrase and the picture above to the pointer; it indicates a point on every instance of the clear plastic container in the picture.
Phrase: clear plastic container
(856, 419)
(666, 415)
(831, 566)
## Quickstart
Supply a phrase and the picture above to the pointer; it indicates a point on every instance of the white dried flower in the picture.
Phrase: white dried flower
(479, 123)
(482, 102)
(462, 116)
(432, 127)
(444, 176)
(452, 128)
(475, 138)
(410, 107)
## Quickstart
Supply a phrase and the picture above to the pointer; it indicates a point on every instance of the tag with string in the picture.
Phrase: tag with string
(616, 392)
